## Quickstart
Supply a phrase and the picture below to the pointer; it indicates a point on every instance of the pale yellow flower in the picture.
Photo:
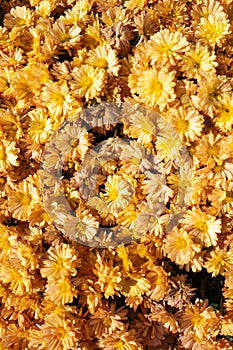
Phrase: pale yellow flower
(203, 228)
(167, 47)
(154, 87)
(56, 97)
(179, 247)
(103, 57)
(199, 61)
(219, 261)
(213, 30)
(87, 81)
(8, 154)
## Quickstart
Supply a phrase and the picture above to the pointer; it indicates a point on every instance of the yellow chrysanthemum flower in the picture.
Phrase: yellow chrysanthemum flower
(202, 227)
(219, 261)
(213, 30)
(180, 247)
(117, 193)
(56, 97)
(8, 154)
(103, 57)
(167, 47)
(199, 61)
(87, 81)
(39, 125)
(22, 199)
(154, 87)
(224, 113)
(62, 262)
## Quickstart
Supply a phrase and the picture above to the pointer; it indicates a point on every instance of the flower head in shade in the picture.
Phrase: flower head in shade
(154, 87)
(121, 340)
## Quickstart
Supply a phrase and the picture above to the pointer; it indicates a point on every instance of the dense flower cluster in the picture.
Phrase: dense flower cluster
(172, 288)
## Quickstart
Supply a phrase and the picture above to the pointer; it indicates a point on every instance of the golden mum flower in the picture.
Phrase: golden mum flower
(224, 113)
(87, 81)
(141, 127)
(205, 8)
(219, 261)
(221, 197)
(210, 93)
(62, 262)
(199, 61)
(18, 279)
(60, 291)
(121, 340)
(133, 285)
(66, 36)
(154, 87)
(212, 30)
(58, 333)
(108, 275)
(19, 16)
(199, 319)
(73, 141)
(103, 57)
(21, 87)
(188, 122)
(208, 149)
(117, 193)
(202, 227)
(22, 199)
(179, 247)
(8, 154)
(167, 47)
(39, 125)
(6, 77)
(56, 97)
(107, 320)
